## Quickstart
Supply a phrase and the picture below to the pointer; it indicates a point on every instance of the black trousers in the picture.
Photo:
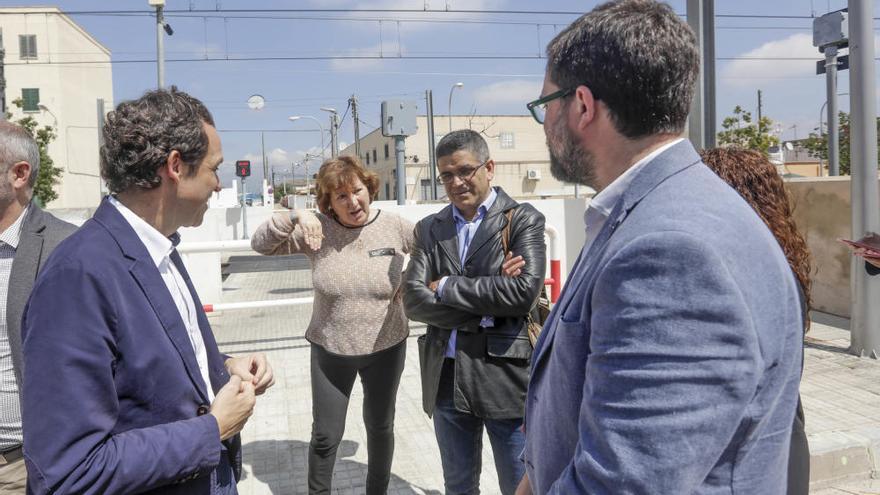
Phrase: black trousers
(332, 380)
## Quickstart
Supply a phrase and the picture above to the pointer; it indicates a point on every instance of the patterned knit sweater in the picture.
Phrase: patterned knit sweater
(356, 275)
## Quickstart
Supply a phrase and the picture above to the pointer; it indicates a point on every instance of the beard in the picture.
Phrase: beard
(571, 163)
(7, 195)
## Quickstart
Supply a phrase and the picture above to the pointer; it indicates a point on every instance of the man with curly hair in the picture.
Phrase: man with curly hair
(125, 390)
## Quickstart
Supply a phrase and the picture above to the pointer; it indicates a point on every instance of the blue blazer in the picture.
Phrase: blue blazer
(113, 401)
(671, 363)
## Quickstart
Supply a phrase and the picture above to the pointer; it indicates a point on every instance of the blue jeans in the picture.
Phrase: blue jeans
(460, 437)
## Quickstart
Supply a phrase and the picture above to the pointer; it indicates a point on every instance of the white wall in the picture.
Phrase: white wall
(566, 215)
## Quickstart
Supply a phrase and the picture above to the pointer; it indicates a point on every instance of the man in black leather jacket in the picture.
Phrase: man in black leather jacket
(475, 355)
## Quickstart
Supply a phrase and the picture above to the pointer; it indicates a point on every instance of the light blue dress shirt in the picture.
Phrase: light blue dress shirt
(465, 231)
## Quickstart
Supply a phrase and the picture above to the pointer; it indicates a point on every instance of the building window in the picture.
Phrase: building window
(374, 155)
(386, 151)
(27, 46)
(368, 158)
(506, 140)
(30, 98)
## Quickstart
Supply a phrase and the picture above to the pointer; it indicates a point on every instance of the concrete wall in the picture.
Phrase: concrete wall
(823, 211)
(566, 215)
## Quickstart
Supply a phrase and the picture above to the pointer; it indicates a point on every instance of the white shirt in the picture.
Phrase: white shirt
(160, 247)
(602, 204)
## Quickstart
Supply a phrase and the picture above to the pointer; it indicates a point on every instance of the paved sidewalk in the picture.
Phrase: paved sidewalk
(841, 396)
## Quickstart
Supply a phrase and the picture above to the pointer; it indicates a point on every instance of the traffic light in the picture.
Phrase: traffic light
(243, 168)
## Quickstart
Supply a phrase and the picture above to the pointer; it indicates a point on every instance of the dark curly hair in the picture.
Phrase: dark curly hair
(139, 135)
(341, 172)
(752, 175)
(638, 57)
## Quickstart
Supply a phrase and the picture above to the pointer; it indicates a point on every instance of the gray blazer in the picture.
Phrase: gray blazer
(41, 232)
(672, 361)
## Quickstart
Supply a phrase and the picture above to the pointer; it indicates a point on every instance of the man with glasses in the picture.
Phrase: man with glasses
(671, 362)
(475, 297)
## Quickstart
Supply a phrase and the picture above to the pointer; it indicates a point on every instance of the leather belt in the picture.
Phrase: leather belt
(11, 456)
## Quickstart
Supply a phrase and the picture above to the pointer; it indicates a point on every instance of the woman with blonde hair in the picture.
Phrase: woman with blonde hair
(358, 326)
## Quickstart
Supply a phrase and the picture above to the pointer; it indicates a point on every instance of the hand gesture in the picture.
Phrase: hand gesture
(311, 228)
(232, 406)
(512, 266)
(863, 253)
(253, 369)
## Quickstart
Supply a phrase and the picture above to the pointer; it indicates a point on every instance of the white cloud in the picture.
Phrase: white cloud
(507, 92)
(767, 64)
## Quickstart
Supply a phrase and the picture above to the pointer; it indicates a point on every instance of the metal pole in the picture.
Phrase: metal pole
(101, 113)
(160, 47)
(759, 111)
(432, 153)
(701, 123)
(263, 149)
(356, 121)
(334, 128)
(833, 125)
(244, 234)
(821, 111)
(2, 79)
(399, 148)
(865, 312)
(308, 185)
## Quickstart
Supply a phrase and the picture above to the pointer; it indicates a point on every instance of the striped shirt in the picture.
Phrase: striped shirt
(10, 400)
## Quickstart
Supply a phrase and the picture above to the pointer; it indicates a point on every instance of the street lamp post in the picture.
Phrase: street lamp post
(161, 25)
(456, 85)
(294, 118)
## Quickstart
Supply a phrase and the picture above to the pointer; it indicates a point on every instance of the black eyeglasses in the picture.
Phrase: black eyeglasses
(465, 173)
(538, 108)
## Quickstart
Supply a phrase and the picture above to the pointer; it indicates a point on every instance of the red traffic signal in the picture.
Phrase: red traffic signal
(243, 168)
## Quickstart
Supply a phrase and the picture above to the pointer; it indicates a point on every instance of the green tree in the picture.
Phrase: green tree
(817, 144)
(740, 130)
(47, 178)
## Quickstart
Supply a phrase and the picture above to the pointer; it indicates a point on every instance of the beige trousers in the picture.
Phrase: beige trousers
(13, 478)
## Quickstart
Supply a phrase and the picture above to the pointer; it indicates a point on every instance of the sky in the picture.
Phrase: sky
(224, 51)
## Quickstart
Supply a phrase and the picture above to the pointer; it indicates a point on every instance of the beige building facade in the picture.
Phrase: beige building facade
(516, 144)
(60, 72)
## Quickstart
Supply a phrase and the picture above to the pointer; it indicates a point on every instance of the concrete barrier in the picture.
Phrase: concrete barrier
(823, 212)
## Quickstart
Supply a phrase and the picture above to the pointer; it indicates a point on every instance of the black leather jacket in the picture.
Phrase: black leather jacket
(492, 364)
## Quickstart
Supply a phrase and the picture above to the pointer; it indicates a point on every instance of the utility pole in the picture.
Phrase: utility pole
(833, 125)
(334, 129)
(263, 150)
(2, 79)
(432, 156)
(864, 312)
(701, 121)
(101, 116)
(357, 134)
(759, 112)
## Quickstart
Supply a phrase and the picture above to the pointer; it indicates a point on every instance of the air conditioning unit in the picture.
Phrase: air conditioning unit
(533, 174)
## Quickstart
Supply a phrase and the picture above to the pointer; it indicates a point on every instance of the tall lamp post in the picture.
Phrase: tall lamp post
(160, 40)
(294, 118)
(456, 85)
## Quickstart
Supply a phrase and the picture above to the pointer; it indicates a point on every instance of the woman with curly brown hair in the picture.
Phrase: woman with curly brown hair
(358, 326)
(752, 175)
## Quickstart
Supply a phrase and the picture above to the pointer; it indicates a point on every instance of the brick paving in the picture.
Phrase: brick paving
(841, 397)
